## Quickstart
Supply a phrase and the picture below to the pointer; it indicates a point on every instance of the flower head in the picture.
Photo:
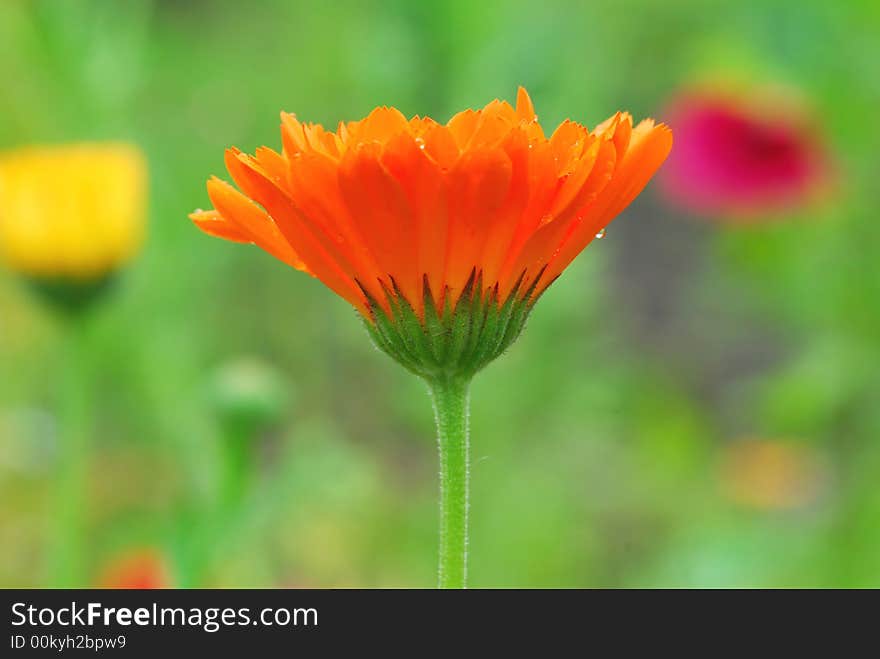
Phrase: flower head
(740, 156)
(71, 212)
(248, 394)
(448, 231)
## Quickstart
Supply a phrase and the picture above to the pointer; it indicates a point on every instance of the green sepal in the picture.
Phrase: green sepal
(462, 322)
(435, 329)
(69, 296)
(456, 340)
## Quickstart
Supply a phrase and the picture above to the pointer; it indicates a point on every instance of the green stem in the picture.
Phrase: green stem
(207, 535)
(237, 448)
(451, 412)
(67, 568)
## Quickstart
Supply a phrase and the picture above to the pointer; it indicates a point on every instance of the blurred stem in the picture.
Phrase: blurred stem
(237, 444)
(74, 448)
(206, 534)
(451, 412)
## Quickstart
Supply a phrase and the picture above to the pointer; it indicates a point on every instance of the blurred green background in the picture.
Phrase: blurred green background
(692, 403)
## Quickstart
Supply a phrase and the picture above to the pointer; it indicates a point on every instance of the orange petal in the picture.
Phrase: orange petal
(618, 129)
(317, 251)
(293, 139)
(541, 246)
(251, 221)
(648, 149)
(377, 201)
(489, 132)
(525, 110)
(273, 163)
(314, 183)
(440, 146)
(478, 186)
(573, 186)
(379, 126)
(543, 186)
(501, 231)
(321, 140)
(462, 126)
(568, 142)
(212, 223)
(422, 181)
(493, 124)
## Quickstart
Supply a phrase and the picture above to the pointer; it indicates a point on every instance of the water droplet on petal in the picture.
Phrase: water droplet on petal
(600, 235)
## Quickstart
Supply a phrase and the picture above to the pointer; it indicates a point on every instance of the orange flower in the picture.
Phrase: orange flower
(139, 569)
(773, 474)
(442, 236)
(387, 203)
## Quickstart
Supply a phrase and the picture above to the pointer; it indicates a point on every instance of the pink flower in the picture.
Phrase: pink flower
(742, 157)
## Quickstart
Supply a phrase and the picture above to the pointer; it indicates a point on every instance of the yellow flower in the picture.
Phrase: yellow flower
(74, 212)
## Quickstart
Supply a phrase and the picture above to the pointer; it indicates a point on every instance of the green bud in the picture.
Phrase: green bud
(248, 394)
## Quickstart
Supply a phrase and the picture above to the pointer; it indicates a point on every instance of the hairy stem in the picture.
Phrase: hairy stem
(450, 397)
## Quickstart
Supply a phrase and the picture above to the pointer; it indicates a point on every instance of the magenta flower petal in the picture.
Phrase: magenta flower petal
(732, 159)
